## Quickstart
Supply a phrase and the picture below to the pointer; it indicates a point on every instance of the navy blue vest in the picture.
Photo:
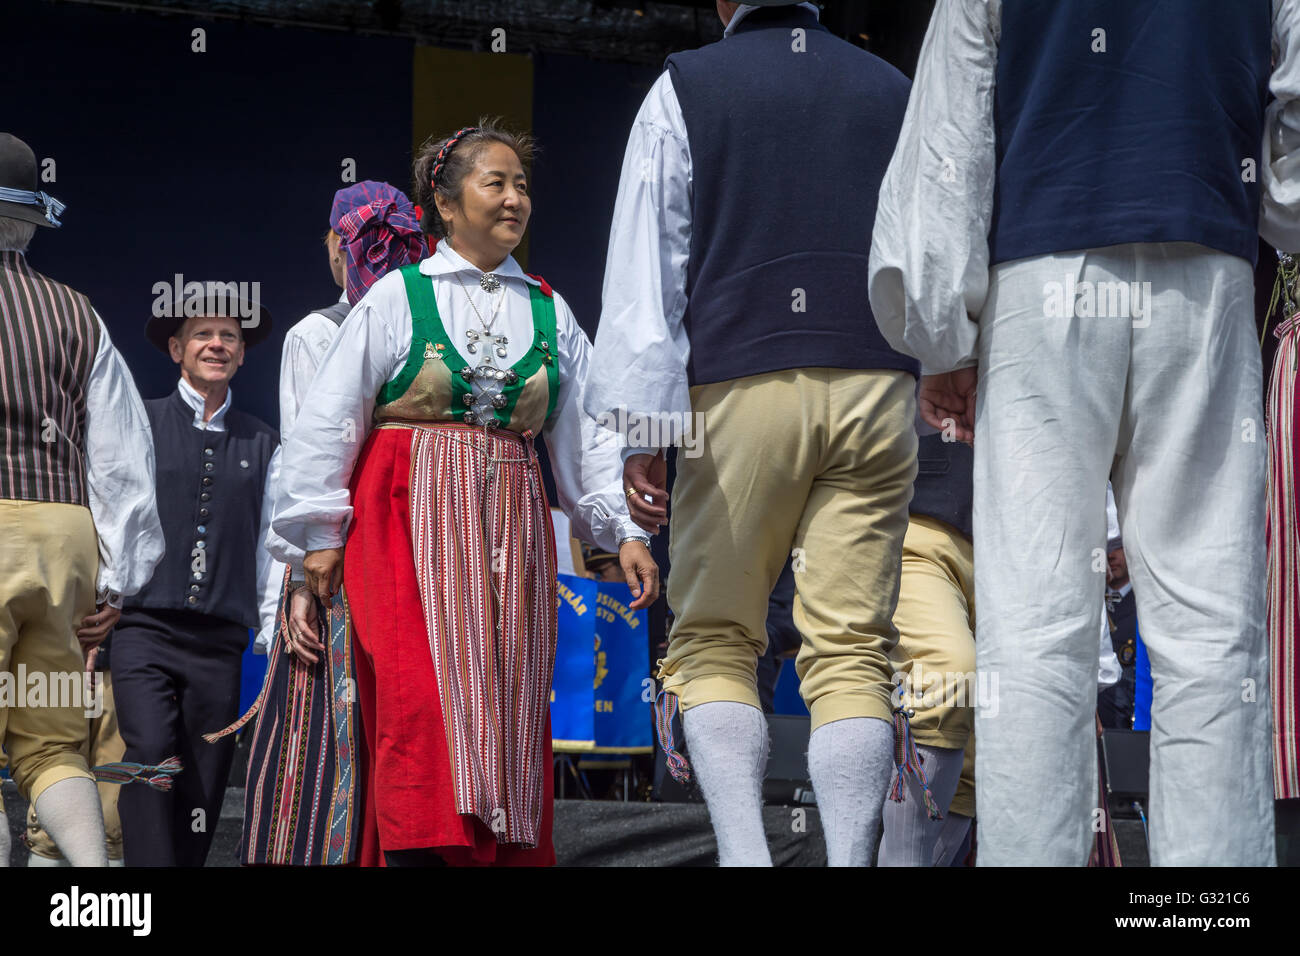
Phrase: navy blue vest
(210, 488)
(1144, 142)
(944, 484)
(787, 151)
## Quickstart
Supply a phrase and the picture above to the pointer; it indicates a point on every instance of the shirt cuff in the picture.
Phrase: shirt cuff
(631, 450)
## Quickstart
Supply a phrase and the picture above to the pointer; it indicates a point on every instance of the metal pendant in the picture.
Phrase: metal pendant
(501, 352)
(498, 401)
(489, 282)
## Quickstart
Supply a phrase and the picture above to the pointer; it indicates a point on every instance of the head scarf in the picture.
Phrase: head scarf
(379, 230)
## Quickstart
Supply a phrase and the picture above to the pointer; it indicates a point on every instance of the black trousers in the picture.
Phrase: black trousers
(175, 677)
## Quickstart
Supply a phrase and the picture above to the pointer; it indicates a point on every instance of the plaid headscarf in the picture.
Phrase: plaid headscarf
(380, 232)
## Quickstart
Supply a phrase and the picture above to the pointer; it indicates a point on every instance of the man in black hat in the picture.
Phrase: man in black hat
(78, 525)
(177, 649)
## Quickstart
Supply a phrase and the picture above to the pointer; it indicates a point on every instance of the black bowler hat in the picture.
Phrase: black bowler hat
(19, 197)
(214, 299)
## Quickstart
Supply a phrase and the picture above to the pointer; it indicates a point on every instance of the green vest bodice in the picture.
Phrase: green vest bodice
(437, 385)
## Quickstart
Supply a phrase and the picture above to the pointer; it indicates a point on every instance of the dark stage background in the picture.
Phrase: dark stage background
(221, 165)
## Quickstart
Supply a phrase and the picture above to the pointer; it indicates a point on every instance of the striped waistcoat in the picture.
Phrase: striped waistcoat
(48, 340)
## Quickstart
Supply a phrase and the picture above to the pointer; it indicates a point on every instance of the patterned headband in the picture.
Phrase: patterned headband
(441, 158)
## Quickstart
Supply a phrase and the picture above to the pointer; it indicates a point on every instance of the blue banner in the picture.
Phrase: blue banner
(572, 715)
(623, 689)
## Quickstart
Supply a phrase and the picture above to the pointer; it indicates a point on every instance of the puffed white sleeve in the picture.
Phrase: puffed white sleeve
(119, 461)
(1279, 222)
(314, 506)
(585, 458)
(639, 372)
(299, 362)
(270, 572)
(929, 246)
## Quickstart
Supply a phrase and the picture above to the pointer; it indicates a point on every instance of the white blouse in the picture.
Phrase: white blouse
(314, 507)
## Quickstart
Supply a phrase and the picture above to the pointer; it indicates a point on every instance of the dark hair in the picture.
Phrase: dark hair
(456, 165)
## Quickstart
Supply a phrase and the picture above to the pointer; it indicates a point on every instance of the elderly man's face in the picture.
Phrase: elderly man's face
(1118, 567)
(209, 350)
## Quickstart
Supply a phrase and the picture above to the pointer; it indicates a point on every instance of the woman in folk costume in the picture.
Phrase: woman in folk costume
(301, 803)
(415, 447)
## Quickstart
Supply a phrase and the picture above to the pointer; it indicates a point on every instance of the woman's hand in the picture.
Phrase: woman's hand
(641, 573)
(324, 572)
(303, 627)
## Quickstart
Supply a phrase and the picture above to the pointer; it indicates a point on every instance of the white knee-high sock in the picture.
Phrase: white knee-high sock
(910, 835)
(4, 837)
(850, 761)
(71, 814)
(728, 751)
(952, 837)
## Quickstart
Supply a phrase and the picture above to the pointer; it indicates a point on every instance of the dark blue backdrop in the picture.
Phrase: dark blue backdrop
(221, 165)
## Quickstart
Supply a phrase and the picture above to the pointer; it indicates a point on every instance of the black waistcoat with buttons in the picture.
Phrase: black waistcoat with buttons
(944, 485)
(210, 486)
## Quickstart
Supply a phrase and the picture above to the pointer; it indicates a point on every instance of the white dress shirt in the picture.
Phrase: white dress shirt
(929, 250)
(305, 346)
(641, 347)
(370, 350)
(270, 572)
(120, 489)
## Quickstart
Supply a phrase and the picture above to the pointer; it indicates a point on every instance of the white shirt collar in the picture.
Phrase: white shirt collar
(195, 401)
(746, 8)
(447, 261)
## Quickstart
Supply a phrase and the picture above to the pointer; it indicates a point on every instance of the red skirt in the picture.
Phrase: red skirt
(451, 582)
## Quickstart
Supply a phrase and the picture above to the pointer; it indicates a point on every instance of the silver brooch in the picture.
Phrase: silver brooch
(489, 282)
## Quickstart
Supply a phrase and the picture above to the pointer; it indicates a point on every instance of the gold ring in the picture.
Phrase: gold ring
(631, 492)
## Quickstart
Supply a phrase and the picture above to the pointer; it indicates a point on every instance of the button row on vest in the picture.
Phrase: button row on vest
(203, 512)
(208, 466)
(208, 452)
(202, 529)
(200, 544)
(194, 589)
(205, 497)
(207, 480)
(191, 600)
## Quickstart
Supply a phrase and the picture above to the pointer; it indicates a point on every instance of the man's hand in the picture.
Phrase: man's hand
(948, 401)
(640, 571)
(303, 627)
(95, 627)
(646, 475)
(324, 572)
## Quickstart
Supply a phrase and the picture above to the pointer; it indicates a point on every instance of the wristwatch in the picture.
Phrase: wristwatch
(643, 538)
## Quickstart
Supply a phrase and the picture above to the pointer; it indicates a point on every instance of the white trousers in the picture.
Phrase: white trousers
(1169, 401)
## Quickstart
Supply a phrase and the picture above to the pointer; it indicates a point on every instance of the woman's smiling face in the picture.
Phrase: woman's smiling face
(493, 209)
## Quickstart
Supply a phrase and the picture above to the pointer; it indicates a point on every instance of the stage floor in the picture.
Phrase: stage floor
(603, 833)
